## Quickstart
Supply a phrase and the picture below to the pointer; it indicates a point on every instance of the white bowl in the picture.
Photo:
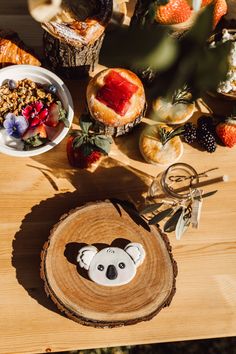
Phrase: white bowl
(46, 77)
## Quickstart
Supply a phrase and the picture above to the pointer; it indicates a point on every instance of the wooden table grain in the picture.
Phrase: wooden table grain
(35, 192)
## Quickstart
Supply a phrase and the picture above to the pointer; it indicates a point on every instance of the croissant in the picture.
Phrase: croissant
(14, 51)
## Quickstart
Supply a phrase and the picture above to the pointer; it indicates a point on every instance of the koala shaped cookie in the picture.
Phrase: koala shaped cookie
(112, 266)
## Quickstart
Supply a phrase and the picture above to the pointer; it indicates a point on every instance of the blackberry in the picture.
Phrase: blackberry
(206, 123)
(206, 140)
(190, 133)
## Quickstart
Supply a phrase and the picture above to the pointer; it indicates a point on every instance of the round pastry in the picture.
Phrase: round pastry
(171, 112)
(154, 151)
(116, 100)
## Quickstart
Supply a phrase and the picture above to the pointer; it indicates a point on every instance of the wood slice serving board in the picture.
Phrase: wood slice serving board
(106, 224)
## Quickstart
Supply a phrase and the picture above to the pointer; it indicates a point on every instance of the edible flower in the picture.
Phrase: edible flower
(35, 113)
(15, 125)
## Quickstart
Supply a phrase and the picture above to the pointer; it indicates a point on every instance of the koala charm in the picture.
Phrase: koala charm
(112, 266)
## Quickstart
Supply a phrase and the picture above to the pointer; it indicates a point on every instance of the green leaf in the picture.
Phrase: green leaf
(77, 142)
(209, 194)
(35, 141)
(62, 114)
(87, 149)
(202, 28)
(75, 132)
(162, 2)
(66, 122)
(151, 13)
(171, 223)
(150, 208)
(161, 56)
(130, 47)
(85, 123)
(105, 137)
(160, 216)
(102, 144)
(182, 224)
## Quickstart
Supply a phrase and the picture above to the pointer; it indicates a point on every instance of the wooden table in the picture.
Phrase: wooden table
(35, 192)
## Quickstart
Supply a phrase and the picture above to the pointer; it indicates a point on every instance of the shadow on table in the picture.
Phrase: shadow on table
(113, 182)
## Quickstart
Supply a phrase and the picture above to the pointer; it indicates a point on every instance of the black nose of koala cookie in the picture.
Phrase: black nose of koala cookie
(111, 272)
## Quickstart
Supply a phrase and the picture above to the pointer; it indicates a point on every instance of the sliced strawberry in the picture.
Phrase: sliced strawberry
(117, 92)
(53, 117)
(175, 11)
(53, 132)
(35, 136)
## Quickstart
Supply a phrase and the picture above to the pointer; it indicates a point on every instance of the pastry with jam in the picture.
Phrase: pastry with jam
(116, 101)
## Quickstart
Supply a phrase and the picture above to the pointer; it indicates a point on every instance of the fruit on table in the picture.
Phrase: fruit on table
(190, 133)
(175, 11)
(206, 134)
(83, 156)
(84, 147)
(117, 92)
(226, 131)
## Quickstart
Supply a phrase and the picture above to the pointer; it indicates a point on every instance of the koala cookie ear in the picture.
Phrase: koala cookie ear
(136, 252)
(86, 255)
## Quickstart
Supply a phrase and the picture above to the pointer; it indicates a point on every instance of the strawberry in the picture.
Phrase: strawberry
(117, 92)
(226, 131)
(175, 11)
(206, 2)
(220, 9)
(85, 147)
(77, 156)
(35, 136)
(56, 114)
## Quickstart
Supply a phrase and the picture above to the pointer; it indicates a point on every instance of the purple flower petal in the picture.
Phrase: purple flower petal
(22, 124)
(15, 126)
(9, 120)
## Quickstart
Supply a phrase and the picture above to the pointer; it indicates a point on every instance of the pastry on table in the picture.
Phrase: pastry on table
(73, 38)
(14, 51)
(174, 110)
(116, 101)
(154, 150)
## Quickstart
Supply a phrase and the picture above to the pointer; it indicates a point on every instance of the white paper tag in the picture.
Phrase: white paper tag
(196, 208)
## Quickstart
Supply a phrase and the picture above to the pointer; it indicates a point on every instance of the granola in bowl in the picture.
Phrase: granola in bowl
(36, 110)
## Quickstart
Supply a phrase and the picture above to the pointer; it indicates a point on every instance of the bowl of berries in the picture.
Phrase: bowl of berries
(36, 110)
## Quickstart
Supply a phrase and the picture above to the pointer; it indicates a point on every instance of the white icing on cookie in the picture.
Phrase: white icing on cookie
(111, 266)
